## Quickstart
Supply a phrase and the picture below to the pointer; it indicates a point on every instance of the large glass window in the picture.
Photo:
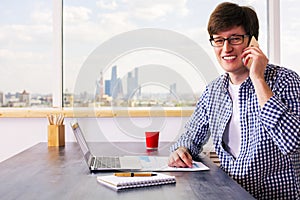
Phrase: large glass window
(290, 28)
(140, 53)
(115, 53)
(26, 53)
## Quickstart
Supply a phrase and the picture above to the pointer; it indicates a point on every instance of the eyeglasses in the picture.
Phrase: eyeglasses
(233, 40)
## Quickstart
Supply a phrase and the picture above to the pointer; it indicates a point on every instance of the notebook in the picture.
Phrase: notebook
(120, 183)
(126, 163)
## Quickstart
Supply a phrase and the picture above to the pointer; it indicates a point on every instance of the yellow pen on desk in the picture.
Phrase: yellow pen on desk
(134, 174)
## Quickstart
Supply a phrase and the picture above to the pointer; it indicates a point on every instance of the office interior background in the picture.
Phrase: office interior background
(85, 58)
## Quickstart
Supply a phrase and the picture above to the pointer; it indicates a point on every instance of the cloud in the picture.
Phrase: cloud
(151, 10)
(76, 14)
(19, 58)
(116, 22)
(6, 54)
(24, 35)
(120, 16)
(14, 34)
(107, 4)
(42, 17)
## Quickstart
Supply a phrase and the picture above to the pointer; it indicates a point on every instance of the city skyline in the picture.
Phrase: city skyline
(104, 89)
(115, 84)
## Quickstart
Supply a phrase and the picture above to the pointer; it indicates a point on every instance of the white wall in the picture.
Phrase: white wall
(18, 134)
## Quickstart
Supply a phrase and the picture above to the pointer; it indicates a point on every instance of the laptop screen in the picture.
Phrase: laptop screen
(81, 141)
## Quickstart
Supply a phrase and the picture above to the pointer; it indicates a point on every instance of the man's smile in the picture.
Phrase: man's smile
(229, 57)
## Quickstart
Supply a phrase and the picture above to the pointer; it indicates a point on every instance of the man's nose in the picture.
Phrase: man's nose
(227, 46)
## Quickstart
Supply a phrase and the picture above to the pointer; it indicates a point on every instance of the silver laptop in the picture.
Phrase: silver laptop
(102, 163)
(128, 163)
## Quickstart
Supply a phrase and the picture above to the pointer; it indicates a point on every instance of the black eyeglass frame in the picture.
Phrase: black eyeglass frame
(229, 40)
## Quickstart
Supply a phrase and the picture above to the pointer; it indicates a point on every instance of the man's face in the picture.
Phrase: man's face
(229, 55)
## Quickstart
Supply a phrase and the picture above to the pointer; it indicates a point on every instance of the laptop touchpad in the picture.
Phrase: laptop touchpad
(130, 162)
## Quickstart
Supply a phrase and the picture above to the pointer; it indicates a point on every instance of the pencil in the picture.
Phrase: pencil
(132, 174)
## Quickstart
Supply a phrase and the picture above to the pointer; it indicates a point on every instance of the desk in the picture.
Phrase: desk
(43, 172)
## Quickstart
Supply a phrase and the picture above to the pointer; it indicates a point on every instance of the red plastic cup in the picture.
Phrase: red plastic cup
(152, 140)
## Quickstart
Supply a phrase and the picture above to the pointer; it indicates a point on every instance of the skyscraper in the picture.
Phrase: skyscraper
(173, 89)
(113, 79)
(116, 87)
(107, 87)
(1, 98)
(101, 85)
(136, 75)
(132, 83)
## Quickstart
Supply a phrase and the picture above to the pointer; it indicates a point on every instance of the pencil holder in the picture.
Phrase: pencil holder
(56, 135)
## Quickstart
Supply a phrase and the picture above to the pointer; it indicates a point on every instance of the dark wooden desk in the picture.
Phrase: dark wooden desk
(43, 172)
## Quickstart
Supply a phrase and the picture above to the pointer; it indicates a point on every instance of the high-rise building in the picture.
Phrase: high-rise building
(107, 88)
(132, 84)
(24, 97)
(136, 75)
(99, 87)
(173, 90)
(113, 81)
(118, 90)
(68, 98)
(116, 87)
(2, 99)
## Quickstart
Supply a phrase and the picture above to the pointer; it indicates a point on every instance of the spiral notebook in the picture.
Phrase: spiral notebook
(120, 183)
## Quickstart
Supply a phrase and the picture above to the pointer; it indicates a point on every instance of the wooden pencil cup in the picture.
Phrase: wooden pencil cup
(56, 135)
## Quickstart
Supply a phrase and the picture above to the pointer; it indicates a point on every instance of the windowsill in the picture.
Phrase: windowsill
(99, 112)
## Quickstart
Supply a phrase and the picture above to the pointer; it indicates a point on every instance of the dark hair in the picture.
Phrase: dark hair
(227, 15)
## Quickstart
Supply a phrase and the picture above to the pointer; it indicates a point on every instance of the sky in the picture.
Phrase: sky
(26, 37)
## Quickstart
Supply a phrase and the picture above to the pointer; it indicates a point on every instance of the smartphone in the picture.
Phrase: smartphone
(253, 43)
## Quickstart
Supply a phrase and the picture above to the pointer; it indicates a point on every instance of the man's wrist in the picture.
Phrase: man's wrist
(263, 91)
(185, 149)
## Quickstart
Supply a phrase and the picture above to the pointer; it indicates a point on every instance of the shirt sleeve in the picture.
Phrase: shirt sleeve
(196, 131)
(280, 115)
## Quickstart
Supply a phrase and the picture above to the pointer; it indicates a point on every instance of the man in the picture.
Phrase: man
(252, 112)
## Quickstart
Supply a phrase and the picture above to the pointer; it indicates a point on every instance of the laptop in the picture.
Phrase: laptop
(103, 163)
(120, 163)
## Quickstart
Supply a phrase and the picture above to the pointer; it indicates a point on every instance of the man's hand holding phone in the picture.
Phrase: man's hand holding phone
(253, 43)
(256, 62)
(254, 59)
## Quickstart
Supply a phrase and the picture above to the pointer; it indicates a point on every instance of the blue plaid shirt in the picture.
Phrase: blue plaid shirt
(268, 165)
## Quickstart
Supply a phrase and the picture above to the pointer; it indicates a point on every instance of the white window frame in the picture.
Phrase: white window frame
(273, 9)
(58, 53)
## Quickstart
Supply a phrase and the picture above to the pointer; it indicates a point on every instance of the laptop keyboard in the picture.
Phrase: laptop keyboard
(107, 162)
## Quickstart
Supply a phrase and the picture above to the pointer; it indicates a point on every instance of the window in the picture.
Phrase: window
(139, 54)
(26, 53)
(115, 53)
(289, 30)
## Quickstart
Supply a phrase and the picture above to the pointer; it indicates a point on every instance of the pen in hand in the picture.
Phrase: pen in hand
(132, 174)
